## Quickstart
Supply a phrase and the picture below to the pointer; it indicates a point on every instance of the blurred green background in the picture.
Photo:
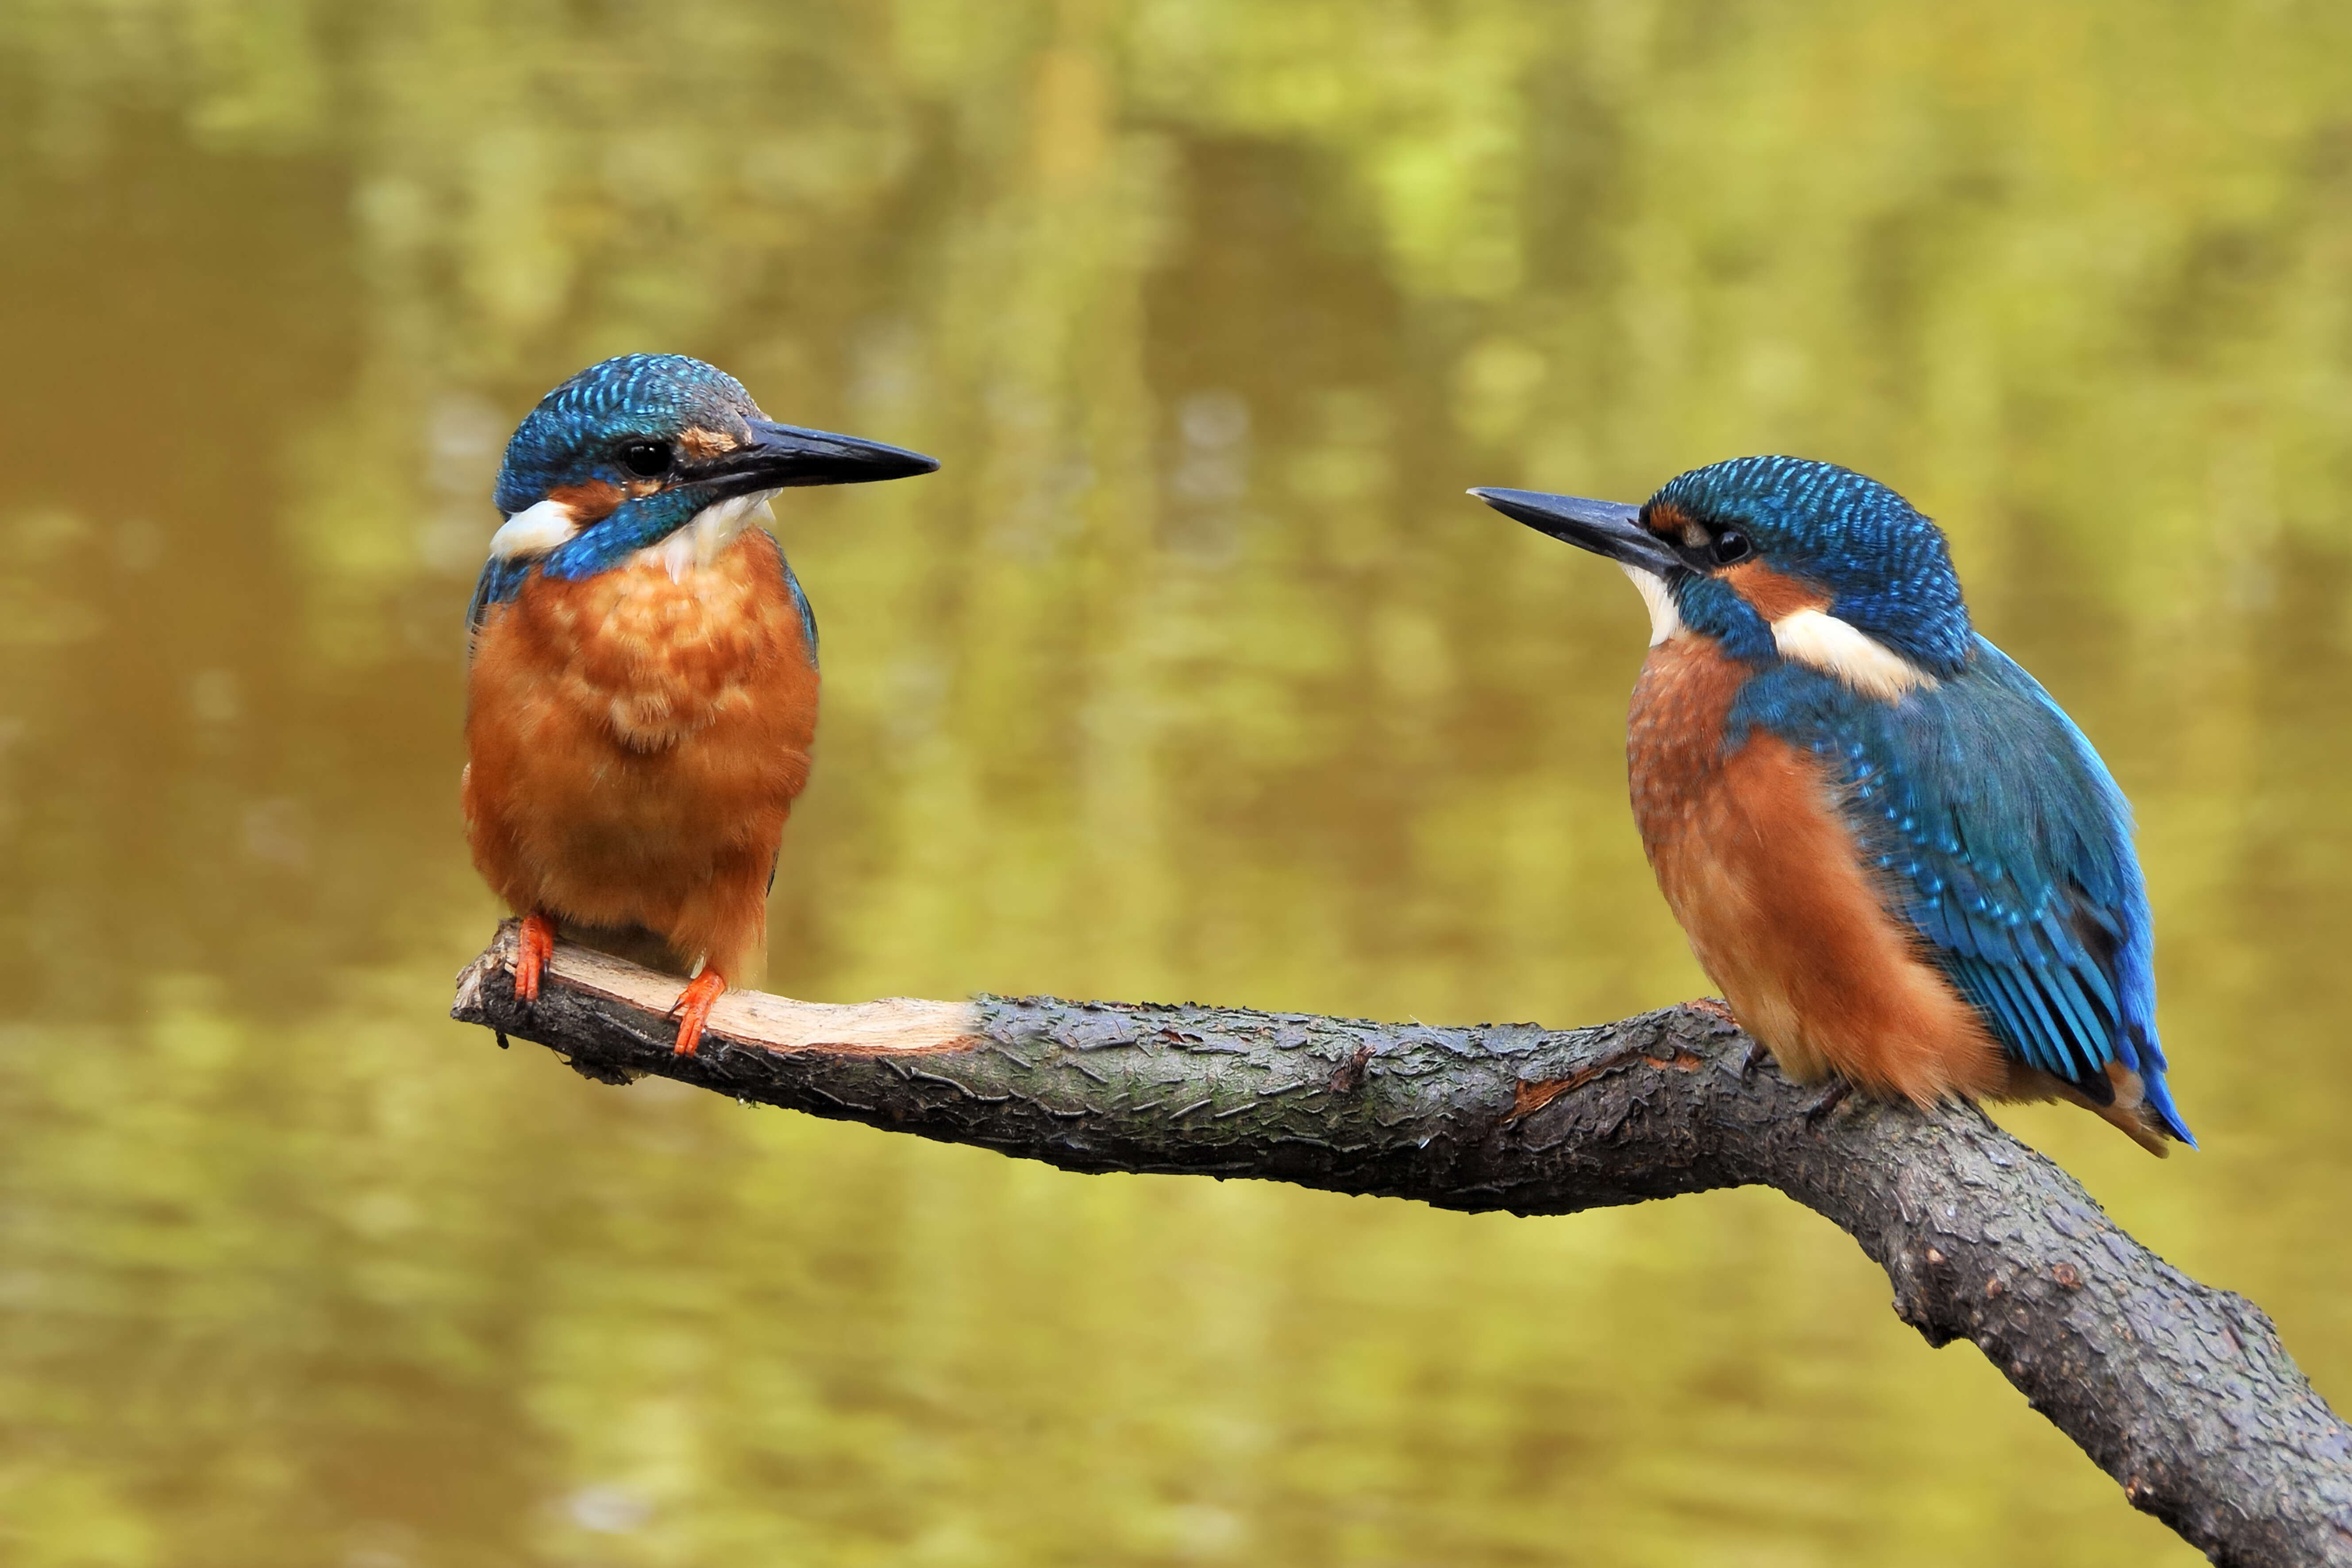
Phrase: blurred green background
(1193, 675)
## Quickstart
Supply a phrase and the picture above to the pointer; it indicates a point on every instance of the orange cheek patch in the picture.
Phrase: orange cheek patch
(699, 443)
(1771, 594)
(1669, 524)
(591, 502)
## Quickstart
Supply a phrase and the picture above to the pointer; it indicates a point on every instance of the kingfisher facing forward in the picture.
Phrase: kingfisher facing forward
(1899, 859)
(642, 690)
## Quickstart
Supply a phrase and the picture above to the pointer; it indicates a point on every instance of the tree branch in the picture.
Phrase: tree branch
(2183, 1393)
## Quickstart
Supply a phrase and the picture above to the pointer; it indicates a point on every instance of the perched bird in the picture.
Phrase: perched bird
(643, 688)
(1895, 854)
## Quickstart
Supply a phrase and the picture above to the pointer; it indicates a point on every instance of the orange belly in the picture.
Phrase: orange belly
(634, 747)
(1762, 872)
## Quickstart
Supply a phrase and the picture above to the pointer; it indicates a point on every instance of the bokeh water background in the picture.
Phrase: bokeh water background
(1193, 675)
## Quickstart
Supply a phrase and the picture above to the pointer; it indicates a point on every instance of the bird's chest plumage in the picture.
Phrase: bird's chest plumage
(632, 736)
(1697, 812)
(656, 661)
(1673, 736)
(1761, 867)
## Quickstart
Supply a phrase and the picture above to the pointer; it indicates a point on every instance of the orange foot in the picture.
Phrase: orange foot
(533, 954)
(693, 1009)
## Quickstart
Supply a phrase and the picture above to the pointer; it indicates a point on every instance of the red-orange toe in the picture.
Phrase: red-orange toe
(693, 1009)
(533, 954)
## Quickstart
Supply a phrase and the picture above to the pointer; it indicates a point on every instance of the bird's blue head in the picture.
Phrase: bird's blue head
(1779, 557)
(650, 447)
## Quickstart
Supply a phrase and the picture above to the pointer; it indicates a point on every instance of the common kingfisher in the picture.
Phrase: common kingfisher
(1907, 869)
(642, 692)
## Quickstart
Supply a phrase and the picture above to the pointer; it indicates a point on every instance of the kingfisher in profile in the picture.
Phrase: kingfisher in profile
(642, 691)
(1907, 869)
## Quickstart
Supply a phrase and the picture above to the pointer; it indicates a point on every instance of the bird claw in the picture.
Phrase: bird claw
(1831, 1099)
(1748, 1058)
(534, 951)
(693, 1009)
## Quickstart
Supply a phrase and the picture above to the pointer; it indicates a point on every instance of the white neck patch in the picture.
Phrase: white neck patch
(703, 540)
(534, 531)
(1817, 639)
(1666, 620)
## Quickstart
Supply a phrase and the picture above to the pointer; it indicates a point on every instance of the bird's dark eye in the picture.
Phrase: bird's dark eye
(1731, 545)
(647, 459)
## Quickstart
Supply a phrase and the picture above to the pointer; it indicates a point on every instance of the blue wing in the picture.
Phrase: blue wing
(808, 636)
(2007, 847)
(501, 580)
(800, 598)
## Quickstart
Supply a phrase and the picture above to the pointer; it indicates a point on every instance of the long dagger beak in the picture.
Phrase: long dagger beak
(1608, 528)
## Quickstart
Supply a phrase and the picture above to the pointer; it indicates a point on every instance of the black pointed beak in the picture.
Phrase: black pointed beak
(1607, 528)
(780, 457)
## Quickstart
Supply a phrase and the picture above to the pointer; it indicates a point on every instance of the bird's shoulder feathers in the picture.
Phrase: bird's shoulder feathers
(2001, 836)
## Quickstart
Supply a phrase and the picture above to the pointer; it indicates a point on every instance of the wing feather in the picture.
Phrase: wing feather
(502, 580)
(2005, 844)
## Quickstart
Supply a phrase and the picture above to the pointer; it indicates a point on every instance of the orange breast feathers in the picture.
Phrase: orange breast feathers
(1760, 869)
(635, 743)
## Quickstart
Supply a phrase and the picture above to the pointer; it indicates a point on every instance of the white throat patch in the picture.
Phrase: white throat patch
(1819, 640)
(703, 540)
(1665, 619)
(534, 531)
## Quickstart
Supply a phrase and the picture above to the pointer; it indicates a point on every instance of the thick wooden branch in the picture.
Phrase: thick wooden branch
(2183, 1393)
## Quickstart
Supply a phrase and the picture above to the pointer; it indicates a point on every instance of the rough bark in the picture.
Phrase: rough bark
(2183, 1393)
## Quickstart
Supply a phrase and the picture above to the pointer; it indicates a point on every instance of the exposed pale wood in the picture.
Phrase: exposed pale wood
(2183, 1393)
(891, 1024)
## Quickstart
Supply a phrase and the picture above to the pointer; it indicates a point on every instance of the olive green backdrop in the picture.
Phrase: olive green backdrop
(1193, 675)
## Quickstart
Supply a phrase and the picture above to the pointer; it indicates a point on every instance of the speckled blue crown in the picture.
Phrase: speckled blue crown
(1887, 565)
(634, 394)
